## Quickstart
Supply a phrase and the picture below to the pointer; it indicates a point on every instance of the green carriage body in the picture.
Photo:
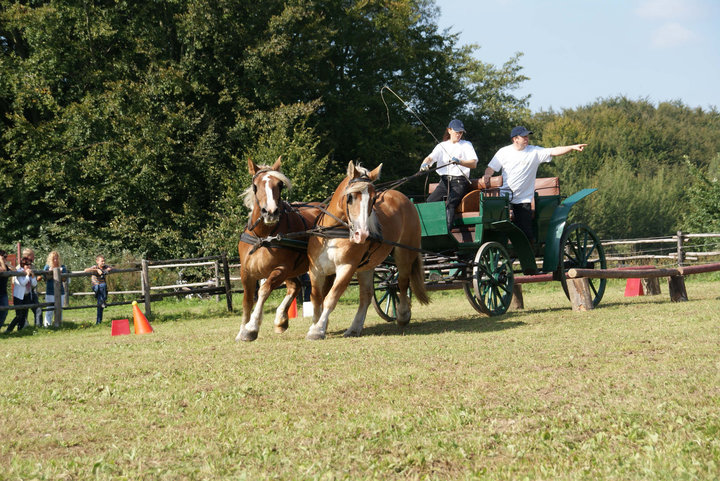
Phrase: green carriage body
(479, 253)
(491, 223)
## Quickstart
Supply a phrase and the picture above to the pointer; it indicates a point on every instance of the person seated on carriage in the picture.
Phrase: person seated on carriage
(454, 158)
(519, 163)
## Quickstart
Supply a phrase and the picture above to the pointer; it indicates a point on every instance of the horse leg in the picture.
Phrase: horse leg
(365, 279)
(282, 318)
(318, 329)
(249, 285)
(249, 331)
(404, 259)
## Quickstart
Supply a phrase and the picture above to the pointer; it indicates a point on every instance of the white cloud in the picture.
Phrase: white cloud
(669, 9)
(672, 35)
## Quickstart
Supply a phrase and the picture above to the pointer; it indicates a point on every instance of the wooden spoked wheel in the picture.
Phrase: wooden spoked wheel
(581, 248)
(492, 280)
(385, 291)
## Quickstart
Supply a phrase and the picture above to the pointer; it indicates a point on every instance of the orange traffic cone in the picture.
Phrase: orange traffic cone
(141, 323)
(292, 312)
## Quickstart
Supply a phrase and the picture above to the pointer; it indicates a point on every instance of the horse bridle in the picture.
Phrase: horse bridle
(281, 203)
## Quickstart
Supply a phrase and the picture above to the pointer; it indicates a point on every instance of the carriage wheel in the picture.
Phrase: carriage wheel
(492, 280)
(581, 248)
(385, 291)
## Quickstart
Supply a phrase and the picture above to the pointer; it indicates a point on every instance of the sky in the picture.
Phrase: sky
(577, 52)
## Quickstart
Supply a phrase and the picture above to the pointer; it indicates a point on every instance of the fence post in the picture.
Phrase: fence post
(66, 283)
(517, 301)
(217, 279)
(226, 272)
(144, 275)
(57, 281)
(680, 251)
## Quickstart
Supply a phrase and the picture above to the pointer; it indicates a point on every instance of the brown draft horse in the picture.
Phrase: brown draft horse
(273, 262)
(371, 216)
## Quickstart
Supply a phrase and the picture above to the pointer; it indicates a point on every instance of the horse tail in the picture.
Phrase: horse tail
(417, 281)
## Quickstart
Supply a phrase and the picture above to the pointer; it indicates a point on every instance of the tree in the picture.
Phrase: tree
(703, 213)
(634, 157)
(125, 123)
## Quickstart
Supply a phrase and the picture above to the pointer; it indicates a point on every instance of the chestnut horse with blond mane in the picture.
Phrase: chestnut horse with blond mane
(273, 261)
(377, 223)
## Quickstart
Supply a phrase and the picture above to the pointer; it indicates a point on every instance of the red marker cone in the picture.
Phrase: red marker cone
(120, 327)
(142, 326)
(633, 287)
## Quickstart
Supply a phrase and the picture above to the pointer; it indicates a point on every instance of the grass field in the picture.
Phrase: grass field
(630, 390)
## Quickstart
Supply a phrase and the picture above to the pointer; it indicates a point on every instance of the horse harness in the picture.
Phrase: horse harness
(275, 240)
(338, 231)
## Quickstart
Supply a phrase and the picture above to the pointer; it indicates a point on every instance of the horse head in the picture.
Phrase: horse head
(359, 198)
(263, 196)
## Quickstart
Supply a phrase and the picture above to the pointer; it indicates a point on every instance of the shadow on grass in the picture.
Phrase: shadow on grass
(435, 326)
(184, 316)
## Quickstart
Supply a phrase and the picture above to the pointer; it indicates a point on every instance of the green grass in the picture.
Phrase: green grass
(630, 390)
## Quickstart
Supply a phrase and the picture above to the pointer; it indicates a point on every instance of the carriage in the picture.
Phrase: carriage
(484, 250)
(396, 248)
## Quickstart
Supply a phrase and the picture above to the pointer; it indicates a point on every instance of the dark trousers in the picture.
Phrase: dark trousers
(306, 287)
(522, 217)
(37, 311)
(20, 314)
(101, 294)
(452, 188)
(3, 303)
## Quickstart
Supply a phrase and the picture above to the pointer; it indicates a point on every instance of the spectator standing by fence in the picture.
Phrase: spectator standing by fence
(34, 298)
(22, 289)
(3, 286)
(99, 284)
(53, 261)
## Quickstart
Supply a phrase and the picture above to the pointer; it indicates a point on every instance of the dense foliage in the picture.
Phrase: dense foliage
(635, 158)
(127, 125)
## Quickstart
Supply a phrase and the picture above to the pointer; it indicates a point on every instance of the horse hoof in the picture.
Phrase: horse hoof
(247, 336)
(315, 336)
(349, 333)
(282, 326)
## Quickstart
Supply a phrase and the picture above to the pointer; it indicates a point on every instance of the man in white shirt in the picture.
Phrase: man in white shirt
(454, 158)
(519, 163)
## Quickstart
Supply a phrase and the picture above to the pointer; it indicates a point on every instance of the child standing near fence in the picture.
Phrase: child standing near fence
(22, 287)
(99, 284)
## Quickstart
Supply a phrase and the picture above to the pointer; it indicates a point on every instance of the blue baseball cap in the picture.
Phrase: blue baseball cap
(456, 125)
(521, 131)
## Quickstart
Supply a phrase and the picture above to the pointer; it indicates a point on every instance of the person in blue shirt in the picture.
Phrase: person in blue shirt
(99, 284)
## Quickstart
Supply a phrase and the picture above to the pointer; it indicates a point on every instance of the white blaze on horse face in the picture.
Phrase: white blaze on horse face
(271, 207)
(360, 224)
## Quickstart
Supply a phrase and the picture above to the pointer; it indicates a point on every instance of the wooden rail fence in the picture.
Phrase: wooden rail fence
(579, 286)
(148, 293)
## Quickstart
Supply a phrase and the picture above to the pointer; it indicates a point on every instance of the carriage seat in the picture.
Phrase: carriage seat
(470, 203)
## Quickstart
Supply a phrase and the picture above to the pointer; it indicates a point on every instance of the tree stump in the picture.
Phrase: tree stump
(517, 298)
(676, 285)
(580, 296)
(651, 285)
